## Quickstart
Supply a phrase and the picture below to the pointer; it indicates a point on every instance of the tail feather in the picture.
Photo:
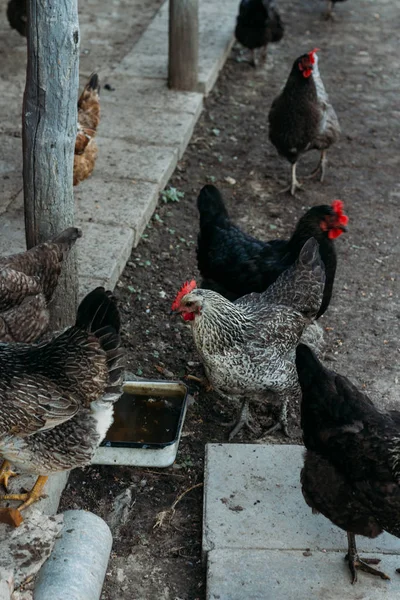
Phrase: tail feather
(98, 313)
(97, 310)
(211, 207)
(66, 239)
(302, 285)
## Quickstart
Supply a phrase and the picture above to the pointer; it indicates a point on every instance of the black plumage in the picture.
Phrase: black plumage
(234, 263)
(301, 118)
(17, 16)
(258, 24)
(351, 470)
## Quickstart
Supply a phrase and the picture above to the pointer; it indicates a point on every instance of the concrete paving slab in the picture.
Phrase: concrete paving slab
(104, 251)
(119, 158)
(285, 575)
(150, 93)
(151, 126)
(104, 201)
(253, 500)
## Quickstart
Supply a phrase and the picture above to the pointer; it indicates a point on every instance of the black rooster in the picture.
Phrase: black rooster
(351, 470)
(234, 263)
(258, 24)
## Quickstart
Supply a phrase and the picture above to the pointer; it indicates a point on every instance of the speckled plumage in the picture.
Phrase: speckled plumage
(248, 347)
(27, 283)
(351, 471)
(55, 396)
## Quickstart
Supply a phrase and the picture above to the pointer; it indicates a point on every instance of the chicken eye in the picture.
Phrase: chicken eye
(189, 304)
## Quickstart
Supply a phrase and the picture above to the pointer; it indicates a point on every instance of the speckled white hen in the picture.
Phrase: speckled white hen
(248, 346)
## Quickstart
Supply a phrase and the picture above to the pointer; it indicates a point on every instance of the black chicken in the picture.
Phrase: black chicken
(234, 263)
(16, 14)
(351, 470)
(258, 24)
(301, 117)
(331, 4)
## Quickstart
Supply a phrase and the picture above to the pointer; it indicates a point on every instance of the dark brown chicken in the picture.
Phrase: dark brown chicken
(88, 121)
(301, 117)
(234, 263)
(331, 4)
(351, 470)
(27, 283)
(258, 24)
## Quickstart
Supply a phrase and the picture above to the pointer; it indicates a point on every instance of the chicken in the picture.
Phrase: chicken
(351, 469)
(258, 24)
(248, 347)
(57, 397)
(301, 117)
(234, 263)
(331, 4)
(27, 283)
(16, 15)
(88, 121)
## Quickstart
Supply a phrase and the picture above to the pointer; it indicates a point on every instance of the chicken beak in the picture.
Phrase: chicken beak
(343, 228)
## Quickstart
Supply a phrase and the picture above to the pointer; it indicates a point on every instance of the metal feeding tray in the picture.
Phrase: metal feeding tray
(148, 421)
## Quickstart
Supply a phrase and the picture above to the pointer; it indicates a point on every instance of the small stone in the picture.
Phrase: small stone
(230, 180)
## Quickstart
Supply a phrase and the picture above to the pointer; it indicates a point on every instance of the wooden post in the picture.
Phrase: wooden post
(49, 124)
(183, 55)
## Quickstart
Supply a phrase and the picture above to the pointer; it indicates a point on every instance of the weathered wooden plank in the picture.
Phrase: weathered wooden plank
(49, 132)
(183, 53)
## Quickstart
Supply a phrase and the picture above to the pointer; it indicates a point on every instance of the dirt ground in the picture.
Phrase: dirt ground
(230, 148)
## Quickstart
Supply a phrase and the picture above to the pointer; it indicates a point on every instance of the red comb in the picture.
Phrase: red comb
(342, 219)
(311, 55)
(187, 287)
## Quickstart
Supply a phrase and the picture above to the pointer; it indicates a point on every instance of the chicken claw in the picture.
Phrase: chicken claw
(245, 419)
(202, 380)
(280, 424)
(355, 561)
(29, 498)
(5, 473)
(294, 184)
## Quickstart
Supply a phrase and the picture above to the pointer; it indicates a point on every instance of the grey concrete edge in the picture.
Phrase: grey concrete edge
(78, 563)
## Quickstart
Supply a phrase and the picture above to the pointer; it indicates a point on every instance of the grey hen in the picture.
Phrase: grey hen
(248, 347)
(57, 397)
(27, 283)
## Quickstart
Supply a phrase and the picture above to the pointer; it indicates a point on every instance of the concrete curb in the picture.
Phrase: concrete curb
(78, 563)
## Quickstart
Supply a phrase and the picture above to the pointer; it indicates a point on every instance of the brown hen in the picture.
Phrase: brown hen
(88, 121)
(27, 283)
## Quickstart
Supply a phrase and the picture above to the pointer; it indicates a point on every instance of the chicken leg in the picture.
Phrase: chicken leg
(294, 184)
(5, 473)
(320, 167)
(355, 561)
(28, 498)
(280, 424)
(245, 419)
(202, 381)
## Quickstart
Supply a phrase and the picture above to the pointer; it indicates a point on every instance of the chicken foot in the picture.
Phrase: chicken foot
(320, 167)
(355, 561)
(280, 424)
(5, 473)
(294, 184)
(28, 498)
(245, 419)
(328, 15)
(202, 381)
